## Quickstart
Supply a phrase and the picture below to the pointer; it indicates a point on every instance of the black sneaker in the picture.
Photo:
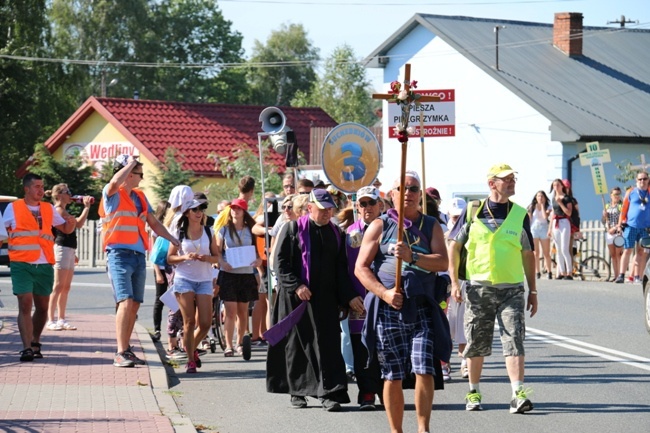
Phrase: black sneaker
(27, 355)
(620, 279)
(330, 405)
(368, 402)
(122, 360)
(568, 277)
(298, 402)
(156, 336)
(137, 361)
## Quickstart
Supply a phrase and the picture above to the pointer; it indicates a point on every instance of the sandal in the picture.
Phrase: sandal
(36, 350)
(228, 353)
(26, 355)
(240, 350)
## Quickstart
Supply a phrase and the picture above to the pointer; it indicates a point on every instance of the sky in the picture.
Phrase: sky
(366, 24)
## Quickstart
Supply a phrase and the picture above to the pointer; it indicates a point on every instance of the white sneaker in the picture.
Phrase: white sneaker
(446, 373)
(66, 326)
(53, 326)
(464, 372)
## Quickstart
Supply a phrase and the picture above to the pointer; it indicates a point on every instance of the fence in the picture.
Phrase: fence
(91, 254)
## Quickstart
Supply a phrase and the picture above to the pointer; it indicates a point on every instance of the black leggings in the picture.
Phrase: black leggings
(158, 305)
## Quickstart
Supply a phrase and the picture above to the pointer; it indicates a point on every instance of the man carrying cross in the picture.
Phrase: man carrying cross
(408, 331)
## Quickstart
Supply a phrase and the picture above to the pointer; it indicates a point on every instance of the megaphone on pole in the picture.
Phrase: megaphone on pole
(273, 120)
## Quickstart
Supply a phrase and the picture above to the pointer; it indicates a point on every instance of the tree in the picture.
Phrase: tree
(343, 91)
(170, 174)
(243, 162)
(282, 67)
(33, 98)
(71, 171)
(172, 33)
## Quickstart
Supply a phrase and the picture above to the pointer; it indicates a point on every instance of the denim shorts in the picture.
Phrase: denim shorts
(127, 270)
(181, 285)
(404, 348)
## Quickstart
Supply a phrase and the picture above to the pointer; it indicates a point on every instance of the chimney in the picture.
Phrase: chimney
(567, 33)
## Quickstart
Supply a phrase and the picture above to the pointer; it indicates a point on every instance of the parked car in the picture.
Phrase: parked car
(4, 252)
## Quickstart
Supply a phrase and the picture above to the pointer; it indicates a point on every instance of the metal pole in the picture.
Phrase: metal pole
(266, 220)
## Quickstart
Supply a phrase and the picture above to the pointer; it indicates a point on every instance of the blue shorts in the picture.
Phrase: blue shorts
(182, 285)
(632, 235)
(127, 270)
(400, 345)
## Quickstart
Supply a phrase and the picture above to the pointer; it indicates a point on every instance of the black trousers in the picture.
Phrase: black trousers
(369, 379)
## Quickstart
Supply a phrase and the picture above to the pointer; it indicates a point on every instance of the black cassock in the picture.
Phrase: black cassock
(308, 361)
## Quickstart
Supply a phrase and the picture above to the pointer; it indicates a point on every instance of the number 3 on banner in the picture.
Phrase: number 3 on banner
(354, 160)
(351, 157)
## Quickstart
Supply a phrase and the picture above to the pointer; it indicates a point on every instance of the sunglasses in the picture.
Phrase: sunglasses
(303, 192)
(370, 202)
(642, 178)
(286, 207)
(66, 192)
(197, 209)
(412, 188)
(139, 174)
(288, 186)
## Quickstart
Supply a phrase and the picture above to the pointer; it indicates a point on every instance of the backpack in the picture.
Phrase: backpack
(575, 217)
(472, 208)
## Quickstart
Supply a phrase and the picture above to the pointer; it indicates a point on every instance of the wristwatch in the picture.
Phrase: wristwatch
(414, 258)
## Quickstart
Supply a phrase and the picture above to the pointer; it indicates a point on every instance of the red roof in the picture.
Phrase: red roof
(195, 130)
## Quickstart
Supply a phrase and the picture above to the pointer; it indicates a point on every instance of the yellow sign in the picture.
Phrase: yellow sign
(351, 157)
(594, 158)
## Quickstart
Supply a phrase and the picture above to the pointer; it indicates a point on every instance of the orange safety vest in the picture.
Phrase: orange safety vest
(27, 240)
(124, 225)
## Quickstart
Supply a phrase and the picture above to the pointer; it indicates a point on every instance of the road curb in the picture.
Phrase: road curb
(160, 384)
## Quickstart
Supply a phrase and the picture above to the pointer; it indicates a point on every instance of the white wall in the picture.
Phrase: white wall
(509, 130)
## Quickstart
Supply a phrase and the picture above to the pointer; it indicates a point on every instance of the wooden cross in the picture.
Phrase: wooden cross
(643, 166)
(403, 138)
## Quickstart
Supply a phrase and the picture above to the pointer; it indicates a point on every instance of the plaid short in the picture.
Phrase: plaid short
(632, 235)
(404, 348)
(483, 305)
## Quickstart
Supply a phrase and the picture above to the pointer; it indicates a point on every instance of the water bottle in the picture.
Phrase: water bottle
(80, 199)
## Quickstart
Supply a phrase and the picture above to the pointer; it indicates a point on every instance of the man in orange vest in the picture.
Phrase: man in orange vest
(31, 251)
(125, 211)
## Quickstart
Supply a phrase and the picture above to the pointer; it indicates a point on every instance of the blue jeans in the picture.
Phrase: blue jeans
(127, 270)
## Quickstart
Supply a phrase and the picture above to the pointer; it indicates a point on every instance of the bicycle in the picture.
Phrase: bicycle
(594, 267)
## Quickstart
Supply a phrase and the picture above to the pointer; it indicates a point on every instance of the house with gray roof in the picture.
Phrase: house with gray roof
(528, 94)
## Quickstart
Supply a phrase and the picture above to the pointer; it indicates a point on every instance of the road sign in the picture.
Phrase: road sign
(594, 158)
(439, 117)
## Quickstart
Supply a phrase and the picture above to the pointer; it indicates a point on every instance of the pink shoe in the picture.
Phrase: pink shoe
(191, 367)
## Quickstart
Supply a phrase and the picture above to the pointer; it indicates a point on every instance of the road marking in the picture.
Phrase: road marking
(581, 346)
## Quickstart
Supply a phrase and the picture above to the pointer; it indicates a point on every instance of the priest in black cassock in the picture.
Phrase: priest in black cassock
(311, 266)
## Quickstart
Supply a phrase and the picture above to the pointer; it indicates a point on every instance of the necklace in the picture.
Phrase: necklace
(197, 248)
(493, 221)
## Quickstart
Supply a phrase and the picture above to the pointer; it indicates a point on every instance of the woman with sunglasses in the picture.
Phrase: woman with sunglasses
(611, 216)
(193, 277)
(65, 247)
(238, 286)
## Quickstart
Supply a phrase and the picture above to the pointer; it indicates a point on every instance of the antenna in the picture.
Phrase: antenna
(623, 21)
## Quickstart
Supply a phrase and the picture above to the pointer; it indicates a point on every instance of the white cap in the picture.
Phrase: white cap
(457, 206)
(368, 191)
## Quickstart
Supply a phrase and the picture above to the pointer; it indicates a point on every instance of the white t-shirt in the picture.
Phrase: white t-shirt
(10, 222)
(194, 270)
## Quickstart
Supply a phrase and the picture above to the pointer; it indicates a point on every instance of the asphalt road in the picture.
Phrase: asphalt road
(588, 363)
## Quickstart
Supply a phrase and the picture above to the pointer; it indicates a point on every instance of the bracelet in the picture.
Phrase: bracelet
(532, 292)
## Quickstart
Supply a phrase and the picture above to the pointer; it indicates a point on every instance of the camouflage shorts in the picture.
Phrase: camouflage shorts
(484, 305)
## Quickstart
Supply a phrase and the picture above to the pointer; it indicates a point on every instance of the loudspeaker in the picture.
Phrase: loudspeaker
(273, 120)
(279, 142)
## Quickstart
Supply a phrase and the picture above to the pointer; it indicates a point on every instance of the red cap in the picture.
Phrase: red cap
(433, 193)
(240, 203)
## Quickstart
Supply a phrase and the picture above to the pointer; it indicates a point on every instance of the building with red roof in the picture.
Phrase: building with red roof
(103, 128)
